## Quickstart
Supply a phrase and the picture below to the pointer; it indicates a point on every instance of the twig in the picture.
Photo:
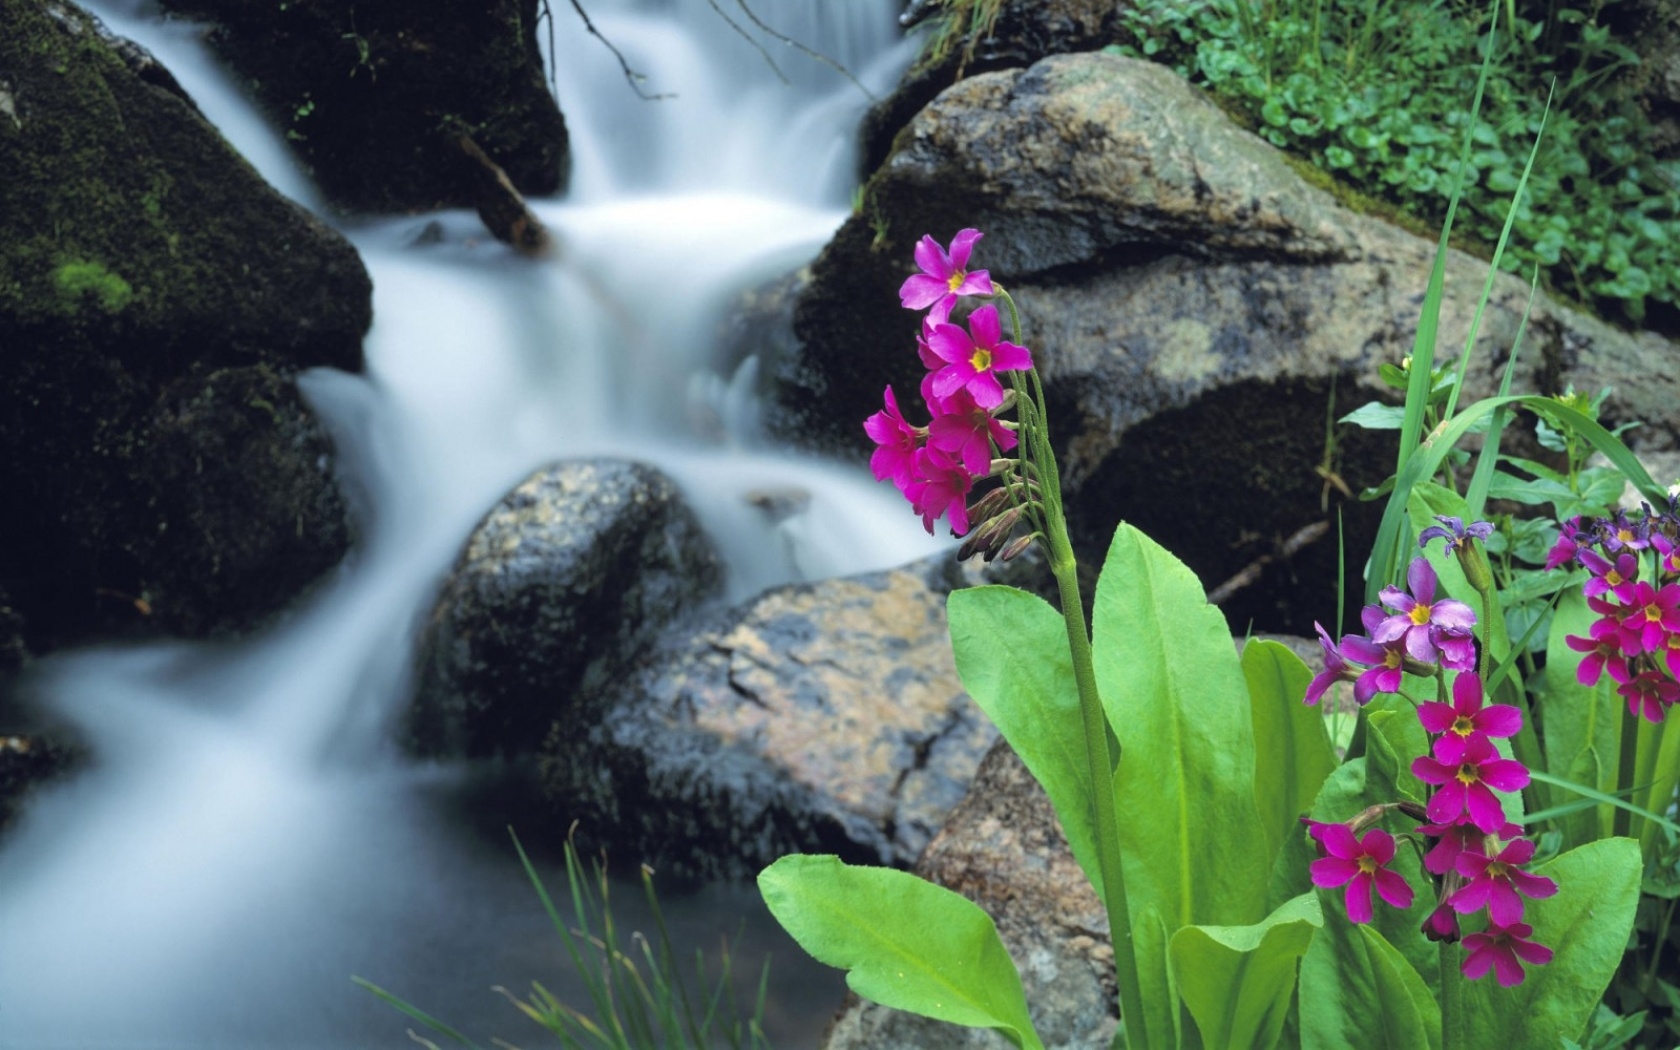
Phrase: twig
(809, 52)
(744, 35)
(634, 78)
(1251, 572)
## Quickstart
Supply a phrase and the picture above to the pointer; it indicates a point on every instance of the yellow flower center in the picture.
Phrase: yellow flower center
(1496, 870)
(1654, 613)
(981, 360)
(1420, 614)
(1625, 535)
(1463, 726)
(956, 279)
(1393, 658)
(1468, 774)
(1368, 864)
(1613, 578)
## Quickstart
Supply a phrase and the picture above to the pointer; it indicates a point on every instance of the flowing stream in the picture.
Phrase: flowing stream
(248, 837)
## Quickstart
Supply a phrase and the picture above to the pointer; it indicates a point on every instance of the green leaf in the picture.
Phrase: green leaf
(1012, 656)
(1374, 415)
(1583, 726)
(1292, 752)
(903, 941)
(1357, 989)
(1193, 851)
(1238, 980)
(1587, 926)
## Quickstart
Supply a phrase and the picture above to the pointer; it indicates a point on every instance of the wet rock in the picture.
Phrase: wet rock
(821, 717)
(374, 94)
(570, 573)
(28, 762)
(1196, 309)
(156, 301)
(1003, 848)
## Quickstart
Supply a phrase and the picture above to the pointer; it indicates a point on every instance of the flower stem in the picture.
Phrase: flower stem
(1626, 770)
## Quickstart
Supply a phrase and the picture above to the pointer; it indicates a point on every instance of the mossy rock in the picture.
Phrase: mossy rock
(371, 94)
(144, 266)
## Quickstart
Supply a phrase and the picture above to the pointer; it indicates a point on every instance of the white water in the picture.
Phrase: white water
(248, 839)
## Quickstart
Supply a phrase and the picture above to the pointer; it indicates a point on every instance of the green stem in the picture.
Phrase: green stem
(1452, 993)
(1626, 770)
(1658, 943)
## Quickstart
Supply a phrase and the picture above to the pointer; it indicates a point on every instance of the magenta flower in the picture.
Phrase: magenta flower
(1336, 669)
(944, 275)
(1454, 839)
(1361, 865)
(967, 431)
(1496, 882)
(898, 441)
(1468, 784)
(1442, 924)
(1653, 614)
(1466, 718)
(940, 489)
(1616, 577)
(973, 358)
(1383, 672)
(1574, 534)
(1620, 533)
(1650, 695)
(1503, 949)
(1604, 653)
(1434, 631)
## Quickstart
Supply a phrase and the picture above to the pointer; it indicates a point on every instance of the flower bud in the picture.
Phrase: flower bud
(1017, 546)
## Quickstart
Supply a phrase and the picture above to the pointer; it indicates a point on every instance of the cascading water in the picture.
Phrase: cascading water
(247, 838)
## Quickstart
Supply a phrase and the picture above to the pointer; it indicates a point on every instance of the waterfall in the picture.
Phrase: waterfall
(248, 838)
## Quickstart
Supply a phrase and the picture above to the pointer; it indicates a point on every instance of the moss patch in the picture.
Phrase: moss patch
(80, 281)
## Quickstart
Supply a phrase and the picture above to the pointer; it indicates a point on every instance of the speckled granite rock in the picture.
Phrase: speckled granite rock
(820, 717)
(570, 573)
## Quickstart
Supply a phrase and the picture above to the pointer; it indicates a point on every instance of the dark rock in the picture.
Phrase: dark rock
(570, 573)
(821, 717)
(28, 762)
(1003, 849)
(152, 285)
(374, 93)
(1195, 308)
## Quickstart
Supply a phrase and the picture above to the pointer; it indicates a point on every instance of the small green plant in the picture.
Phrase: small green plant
(641, 994)
(77, 281)
(1371, 91)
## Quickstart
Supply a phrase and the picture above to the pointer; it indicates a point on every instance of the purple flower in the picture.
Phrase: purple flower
(944, 276)
(973, 358)
(1336, 669)
(1455, 532)
(1496, 882)
(1503, 949)
(1617, 577)
(1574, 534)
(898, 441)
(1465, 718)
(1604, 650)
(967, 431)
(1434, 631)
(1467, 786)
(940, 489)
(1361, 865)
(1650, 695)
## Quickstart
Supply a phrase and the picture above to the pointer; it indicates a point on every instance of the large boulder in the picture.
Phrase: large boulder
(156, 301)
(1197, 309)
(375, 95)
(823, 717)
(560, 584)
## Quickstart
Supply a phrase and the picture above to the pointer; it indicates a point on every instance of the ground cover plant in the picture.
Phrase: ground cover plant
(1372, 91)
(1484, 857)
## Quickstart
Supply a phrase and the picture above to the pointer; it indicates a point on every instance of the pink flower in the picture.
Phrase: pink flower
(1434, 631)
(1336, 669)
(967, 431)
(1442, 924)
(1650, 695)
(1361, 865)
(943, 275)
(1466, 718)
(973, 358)
(1617, 577)
(1452, 839)
(1468, 784)
(940, 489)
(1604, 653)
(1500, 950)
(1653, 614)
(898, 441)
(1497, 881)
(1384, 672)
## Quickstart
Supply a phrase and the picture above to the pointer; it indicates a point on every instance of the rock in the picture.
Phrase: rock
(822, 717)
(1003, 849)
(374, 94)
(569, 574)
(156, 301)
(1196, 309)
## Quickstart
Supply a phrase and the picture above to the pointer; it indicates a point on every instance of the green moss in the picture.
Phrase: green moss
(76, 281)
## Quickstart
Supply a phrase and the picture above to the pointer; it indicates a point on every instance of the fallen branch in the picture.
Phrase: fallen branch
(1251, 572)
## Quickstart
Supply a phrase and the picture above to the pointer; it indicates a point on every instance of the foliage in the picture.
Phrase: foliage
(641, 995)
(75, 281)
(1373, 90)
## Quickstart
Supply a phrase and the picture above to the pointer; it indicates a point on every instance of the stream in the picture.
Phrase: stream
(249, 836)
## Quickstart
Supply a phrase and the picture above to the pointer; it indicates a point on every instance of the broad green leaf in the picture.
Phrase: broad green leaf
(1012, 656)
(1396, 740)
(1583, 725)
(1587, 926)
(1658, 767)
(1193, 851)
(904, 942)
(1292, 752)
(1358, 990)
(1238, 980)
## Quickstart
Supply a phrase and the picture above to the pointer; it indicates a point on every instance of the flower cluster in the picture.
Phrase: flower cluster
(1633, 585)
(1474, 853)
(935, 466)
